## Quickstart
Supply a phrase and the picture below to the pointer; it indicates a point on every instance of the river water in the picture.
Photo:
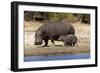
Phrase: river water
(57, 57)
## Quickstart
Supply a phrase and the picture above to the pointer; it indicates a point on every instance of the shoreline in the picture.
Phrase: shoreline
(54, 51)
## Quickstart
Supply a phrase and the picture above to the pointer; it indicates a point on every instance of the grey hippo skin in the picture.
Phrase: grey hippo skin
(52, 31)
(69, 40)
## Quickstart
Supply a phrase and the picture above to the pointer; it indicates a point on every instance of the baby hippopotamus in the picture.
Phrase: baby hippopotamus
(69, 40)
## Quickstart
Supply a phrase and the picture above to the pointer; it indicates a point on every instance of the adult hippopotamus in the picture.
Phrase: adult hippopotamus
(52, 31)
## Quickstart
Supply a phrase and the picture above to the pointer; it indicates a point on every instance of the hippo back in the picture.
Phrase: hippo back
(59, 28)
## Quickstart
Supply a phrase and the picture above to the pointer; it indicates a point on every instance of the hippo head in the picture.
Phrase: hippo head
(61, 38)
(38, 38)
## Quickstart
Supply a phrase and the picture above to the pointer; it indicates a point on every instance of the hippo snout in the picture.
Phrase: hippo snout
(59, 39)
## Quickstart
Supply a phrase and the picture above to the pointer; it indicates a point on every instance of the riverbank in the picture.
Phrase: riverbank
(54, 51)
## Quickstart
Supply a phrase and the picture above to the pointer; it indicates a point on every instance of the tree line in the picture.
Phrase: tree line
(55, 16)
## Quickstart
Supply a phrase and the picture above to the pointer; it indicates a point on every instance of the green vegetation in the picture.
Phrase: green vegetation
(54, 16)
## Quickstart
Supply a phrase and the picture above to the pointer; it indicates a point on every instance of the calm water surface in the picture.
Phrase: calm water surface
(58, 57)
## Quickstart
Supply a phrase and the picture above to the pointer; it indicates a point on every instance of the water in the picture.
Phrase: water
(58, 57)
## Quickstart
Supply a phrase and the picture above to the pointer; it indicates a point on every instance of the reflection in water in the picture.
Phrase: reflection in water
(58, 57)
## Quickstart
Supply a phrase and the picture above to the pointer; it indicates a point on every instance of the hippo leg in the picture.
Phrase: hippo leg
(53, 42)
(64, 45)
(68, 44)
(46, 42)
(73, 44)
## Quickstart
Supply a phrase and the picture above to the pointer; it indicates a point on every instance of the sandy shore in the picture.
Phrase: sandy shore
(54, 50)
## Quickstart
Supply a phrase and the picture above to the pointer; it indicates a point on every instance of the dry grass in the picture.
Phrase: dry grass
(82, 32)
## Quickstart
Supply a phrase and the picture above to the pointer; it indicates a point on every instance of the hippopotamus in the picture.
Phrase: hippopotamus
(69, 40)
(52, 31)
